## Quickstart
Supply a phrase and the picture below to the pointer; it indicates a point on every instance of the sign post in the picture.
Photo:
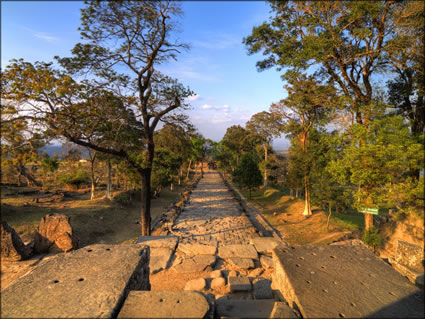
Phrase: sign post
(369, 215)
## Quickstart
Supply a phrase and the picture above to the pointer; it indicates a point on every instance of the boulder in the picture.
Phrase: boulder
(195, 284)
(54, 234)
(12, 246)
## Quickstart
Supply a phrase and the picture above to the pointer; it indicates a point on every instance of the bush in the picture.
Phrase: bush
(76, 178)
(372, 238)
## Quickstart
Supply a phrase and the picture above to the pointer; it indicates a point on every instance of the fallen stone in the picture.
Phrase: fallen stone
(54, 234)
(90, 282)
(266, 262)
(196, 249)
(244, 308)
(164, 304)
(195, 264)
(169, 242)
(241, 251)
(265, 245)
(12, 246)
(344, 281)
(195, 284)
(282, 310)
(160, 257)
(233, 273)
(410, 255)
(239, 284)
(262, 289)
(218, 283)
(216, 274)
(243, 263)
(256, 272)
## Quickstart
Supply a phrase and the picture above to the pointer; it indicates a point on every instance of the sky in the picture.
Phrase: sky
(228, 87)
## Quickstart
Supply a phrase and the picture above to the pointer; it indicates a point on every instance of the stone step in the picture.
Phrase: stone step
(226, 308)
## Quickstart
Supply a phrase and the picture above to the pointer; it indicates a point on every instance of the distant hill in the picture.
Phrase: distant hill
(58, 150)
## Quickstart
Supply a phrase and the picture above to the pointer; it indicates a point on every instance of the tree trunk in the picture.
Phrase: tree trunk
(188, 169)
(172, 187)
(329, 218)
(265, 163)
(296, 192)
(109, 185)
(146, 203)
(93, 182)
(180, 174)
(368, 221)
(307, 205)
(202, 169)
(31, 181)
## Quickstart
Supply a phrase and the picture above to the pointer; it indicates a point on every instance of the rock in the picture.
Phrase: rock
(241, 251)
(233, 273)
(197, 249)
(243, 263)
(262, 289)
(195, 264)
(216, 274)
(169, 242)
(90, 282)
(12, 246)
(256, 272)
(265, 245)
(266, 262)
(218, 282)
(239, 284)
(227, 308)
(196, 284)
(316, 279)
(282, 310)
(159, 259)
(164, 304)
(54, 234)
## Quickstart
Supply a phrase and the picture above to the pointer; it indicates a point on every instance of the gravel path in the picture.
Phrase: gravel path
(213, 216)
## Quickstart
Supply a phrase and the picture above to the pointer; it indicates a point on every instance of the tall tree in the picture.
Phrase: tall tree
(265, 125)
(247, 174)
(309, 105)
(122, 36)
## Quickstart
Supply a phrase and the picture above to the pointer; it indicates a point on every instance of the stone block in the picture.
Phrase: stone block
(216, 274)
(227, 308)
(242, 263)
(256, 272)
(164, 304)
(266, 262)
(196, 284)
(218, 282)
(282, 310)
(197, 249)
(91, 282)
(12, 246)
(239, 284)
(262, 289)
(169, 242)
(410, 255)
(343, 281)
(241, 251)
(195, 264)
(159, 259)
(265, 245)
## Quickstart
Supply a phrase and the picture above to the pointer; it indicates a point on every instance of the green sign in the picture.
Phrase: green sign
(374, 211)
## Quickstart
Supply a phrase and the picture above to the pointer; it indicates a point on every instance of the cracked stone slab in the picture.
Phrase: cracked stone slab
(239, 284)
(243, 263)
(160, 257)
(266, 262)
(197, 249)
(244, 308)
(265, 245)
(169, 242)
(195, 264)
(344, 281)
(241, 251)
(164, 304)
(90, 282)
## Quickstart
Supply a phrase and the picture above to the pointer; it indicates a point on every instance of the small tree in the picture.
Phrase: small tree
(247, 174)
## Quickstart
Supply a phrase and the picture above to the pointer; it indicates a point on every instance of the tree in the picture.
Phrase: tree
(308, 106)
(247, 174)
(235, 141)
(377, 166)
(346, 42)
(49, 165)
(134, 36)
(266, 127)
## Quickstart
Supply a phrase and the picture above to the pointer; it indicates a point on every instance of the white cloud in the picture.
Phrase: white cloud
(213, 40)
(206, 107)
(42, 35)
(223, 108)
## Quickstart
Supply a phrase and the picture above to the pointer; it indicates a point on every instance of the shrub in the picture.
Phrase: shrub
(75, 178)
(372, 238)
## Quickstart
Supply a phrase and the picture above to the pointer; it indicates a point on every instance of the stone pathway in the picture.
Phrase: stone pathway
(213, 216)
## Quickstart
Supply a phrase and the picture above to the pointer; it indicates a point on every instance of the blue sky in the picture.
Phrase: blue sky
(217, 67)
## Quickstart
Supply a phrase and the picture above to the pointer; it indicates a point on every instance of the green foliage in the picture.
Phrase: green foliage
(50, 164)
(76, 177)
(247, 174)
(372, 238)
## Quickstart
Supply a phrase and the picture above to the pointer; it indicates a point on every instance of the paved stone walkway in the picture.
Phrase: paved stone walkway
(213, 216)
